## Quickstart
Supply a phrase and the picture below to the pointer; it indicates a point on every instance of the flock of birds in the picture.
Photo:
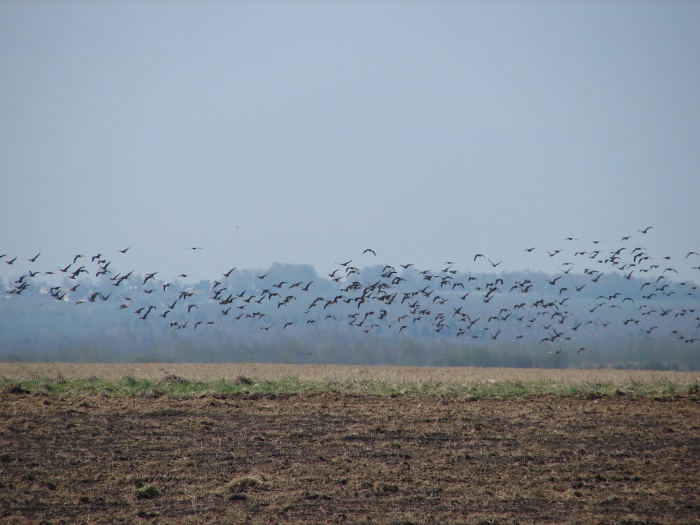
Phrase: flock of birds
(405, 301)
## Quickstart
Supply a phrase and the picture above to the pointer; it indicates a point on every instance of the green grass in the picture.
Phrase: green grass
(172, 386)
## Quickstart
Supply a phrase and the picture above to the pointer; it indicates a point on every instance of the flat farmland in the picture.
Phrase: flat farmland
(564, 447)
(392, 374)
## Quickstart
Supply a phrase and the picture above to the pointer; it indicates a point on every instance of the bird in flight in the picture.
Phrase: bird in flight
(370, 250)
(124, 250)
(645, 229)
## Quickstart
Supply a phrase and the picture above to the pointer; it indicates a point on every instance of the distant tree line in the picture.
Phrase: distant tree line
(377, 315)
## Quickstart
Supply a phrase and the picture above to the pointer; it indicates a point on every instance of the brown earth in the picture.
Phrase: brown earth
(335, 458)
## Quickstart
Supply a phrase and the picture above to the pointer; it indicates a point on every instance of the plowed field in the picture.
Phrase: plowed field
(336, 458)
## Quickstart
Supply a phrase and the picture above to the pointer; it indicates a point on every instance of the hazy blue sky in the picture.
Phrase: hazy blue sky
(305, 132)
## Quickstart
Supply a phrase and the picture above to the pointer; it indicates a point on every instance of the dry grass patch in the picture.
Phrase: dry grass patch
(188, 379)
(247, 484)
(398, 375)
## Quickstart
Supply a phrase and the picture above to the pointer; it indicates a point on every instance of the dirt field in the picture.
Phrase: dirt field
(336, 458)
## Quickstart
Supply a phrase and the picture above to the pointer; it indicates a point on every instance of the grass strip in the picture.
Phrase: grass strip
(177, 387)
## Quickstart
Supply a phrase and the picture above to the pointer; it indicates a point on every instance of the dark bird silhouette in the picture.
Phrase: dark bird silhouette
(124, 250)
(645, 230)
(33, 259)
(370, 250)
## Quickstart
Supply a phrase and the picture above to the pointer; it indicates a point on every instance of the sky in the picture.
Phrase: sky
(307, 132)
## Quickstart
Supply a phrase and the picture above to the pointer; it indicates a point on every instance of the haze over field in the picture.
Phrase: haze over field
(305, 133)
(622, 308)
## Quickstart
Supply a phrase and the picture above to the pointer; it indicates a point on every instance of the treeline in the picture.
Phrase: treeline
(122, 346)
(374, 315)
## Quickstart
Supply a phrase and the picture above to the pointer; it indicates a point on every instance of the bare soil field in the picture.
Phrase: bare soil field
(330, 457)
